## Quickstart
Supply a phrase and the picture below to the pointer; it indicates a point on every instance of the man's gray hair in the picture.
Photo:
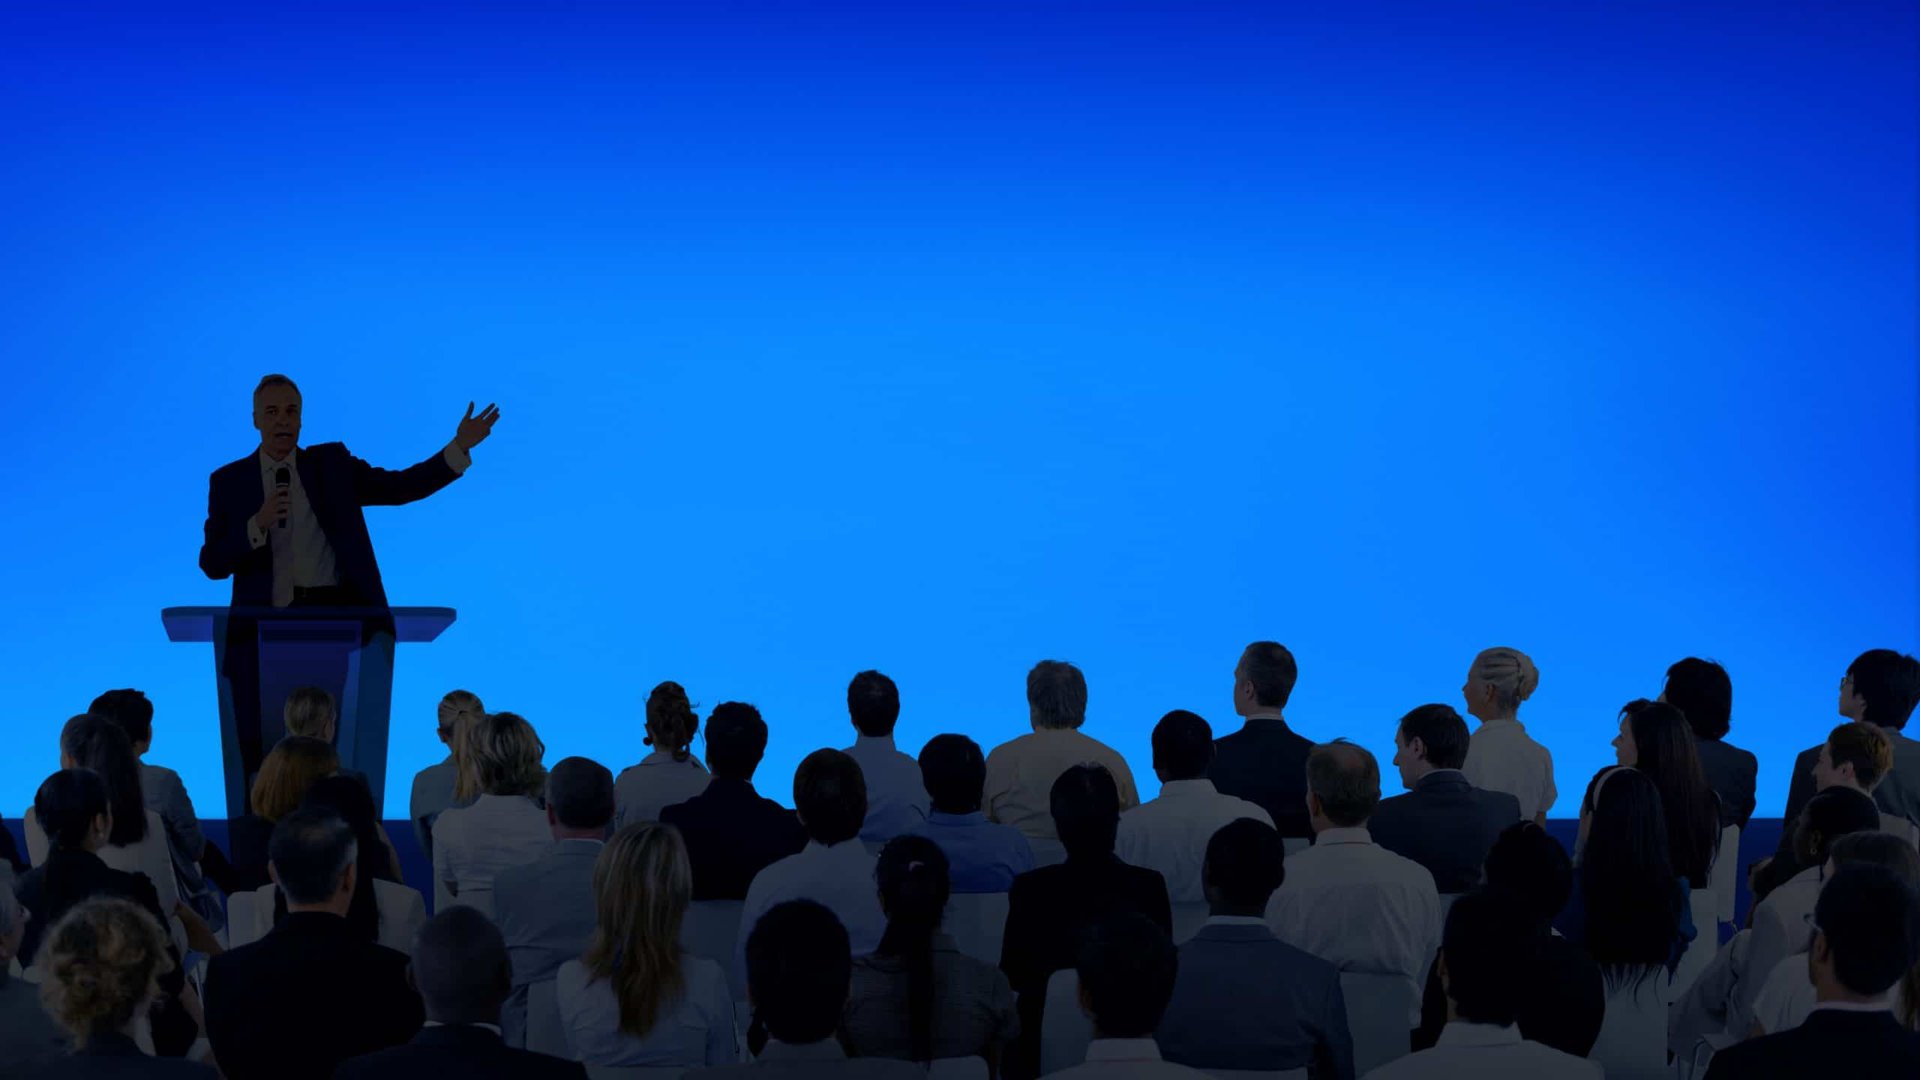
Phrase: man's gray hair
(275, 380)
(461, 966)
(1057, 694)
(1347, 779)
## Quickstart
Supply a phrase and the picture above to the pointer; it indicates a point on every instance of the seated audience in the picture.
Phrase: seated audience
(105, 962)
(917, 998)
(637, 997)
(1020, 773)
(1655, 739)
(896, 798)
(798, 970)
(546, 909)
(27, 1033)
(1501, 756)
(1049, 910)
(1127, 968)
(834, 869)
(1859, 755)
(982, 856)
(1243, 998)
(1866, 937)
(1443, 822)
(287, 773)
(669, 775)
(433, 786)
(310, 994)
(731, 832)
(1485, 960)
(1564, 999)
(1702, 692)
(309, 711)
(1265, 762)
(131, 712)
(383, 910)
(138, 842)
(1630, 908)
(505, 826)
(1170, 833)
(461, 969)
(1881, 687)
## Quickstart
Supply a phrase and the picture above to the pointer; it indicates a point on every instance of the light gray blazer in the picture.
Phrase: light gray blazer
(545, 910)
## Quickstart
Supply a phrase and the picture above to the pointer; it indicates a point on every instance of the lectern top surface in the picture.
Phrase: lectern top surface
(409, 623)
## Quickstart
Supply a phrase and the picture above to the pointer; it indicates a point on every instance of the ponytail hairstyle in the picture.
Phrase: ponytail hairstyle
(99, 744)
(1512, 675)
(456, 709)
(671, 722)
(642, 884)
(913, 878)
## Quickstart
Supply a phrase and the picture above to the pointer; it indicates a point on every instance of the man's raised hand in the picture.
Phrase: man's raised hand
(474, 429)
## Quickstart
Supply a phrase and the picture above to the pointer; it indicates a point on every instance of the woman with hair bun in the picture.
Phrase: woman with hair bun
(669, 775)
(1501, 755)
(101, 968)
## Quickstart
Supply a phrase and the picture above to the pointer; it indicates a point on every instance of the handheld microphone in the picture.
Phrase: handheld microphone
(281, 478)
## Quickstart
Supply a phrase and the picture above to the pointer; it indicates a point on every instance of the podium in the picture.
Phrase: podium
(261, 654)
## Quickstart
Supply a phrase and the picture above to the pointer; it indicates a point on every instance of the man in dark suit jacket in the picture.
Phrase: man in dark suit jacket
(1881, 687)
(1866, 936)
(731, 832)
(1443, 823)
(1265, 762)
(461, 968)
(310, 994)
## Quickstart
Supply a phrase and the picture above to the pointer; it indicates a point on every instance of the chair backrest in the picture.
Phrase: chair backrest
(1705, 907)
(978, 923)
(635, 1072)
(966, 1068)
(1633, 1035)
(1188, 918)
(1723, 879)
(249, 916)
(1065, 1031)
(711, 929)
(546, 1033)
(1294, 845)
(1378, 1012)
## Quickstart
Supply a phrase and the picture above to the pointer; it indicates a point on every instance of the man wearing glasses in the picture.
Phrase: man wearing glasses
(1881, 688)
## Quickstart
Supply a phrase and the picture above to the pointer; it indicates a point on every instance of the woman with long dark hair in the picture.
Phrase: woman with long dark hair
(1629, 907)
(1655, 739)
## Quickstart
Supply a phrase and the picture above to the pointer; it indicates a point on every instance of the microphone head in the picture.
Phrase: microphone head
(282, 477)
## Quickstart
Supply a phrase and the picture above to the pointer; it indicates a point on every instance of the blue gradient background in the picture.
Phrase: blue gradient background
(941, 341)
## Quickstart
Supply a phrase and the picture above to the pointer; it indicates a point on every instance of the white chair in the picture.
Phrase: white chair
(1724, 880)
(1705, 907)
(1633, 1034)
(246, 922)
(966, 1068)
(546, 1032)
(712, 929)
(1382, 1011)
(1257, 1074)
(635, 1072)
(1188, 918)
(1047, 853)
(1294, 845)
(1065, 1030)
(978, 923)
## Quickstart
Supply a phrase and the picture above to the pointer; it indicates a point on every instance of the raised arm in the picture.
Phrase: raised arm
(374, 486)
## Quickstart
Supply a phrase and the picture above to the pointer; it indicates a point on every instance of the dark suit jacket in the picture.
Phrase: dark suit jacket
(1898, 793)
(1732, 773)
(69, 876)
(459, 1051)
(1244, 999)
(304, 998)
(732, 834)
(1565, 1000)
(116, 1057)
(1446, 825)
(1857, 1046)
(1265, 763)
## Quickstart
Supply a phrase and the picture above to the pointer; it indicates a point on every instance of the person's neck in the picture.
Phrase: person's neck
(957, 811)
(1100, 1033)
(1416, 772)
(1222, 909)
(1248, 712)
(562, 832)
(336, 907)
(465, 1021)
(1828, 990)
(281, 456)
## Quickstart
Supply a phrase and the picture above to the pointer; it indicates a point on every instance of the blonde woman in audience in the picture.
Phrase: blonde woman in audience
(435, 788)
(286, 774)
(636, 998)
(1501, 756)
(669, 775)
(505, 826)
(102, 965)
(310, 711)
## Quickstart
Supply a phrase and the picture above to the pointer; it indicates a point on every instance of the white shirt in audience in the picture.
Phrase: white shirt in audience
(1487, 1052)
(1359, 907)
(1780, 930)
(694, 1029)
(1895, 825)
(402, 913)
(473, 843)
(1170, 833)
(896, 796)
(839, 877)
(1021, 772)
(1127, 1059)
(1502, 757)
(655, 784)
(1787, 996)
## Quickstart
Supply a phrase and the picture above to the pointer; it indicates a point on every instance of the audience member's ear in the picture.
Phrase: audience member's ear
(349, 878)
(552, 818)
(413, 984)
(1418, 748)
(273, 874)
(1440, 968)
(1086, 999)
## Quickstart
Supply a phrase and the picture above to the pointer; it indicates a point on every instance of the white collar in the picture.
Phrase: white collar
(1505, 722)
(1883, 1004)
(495, 1028)
(1462, 1033)
(1266, 714)
(1234, 920)
(1354, 834)
(877, 742)
(1181, 789)
(267, 464)
(1123, 1050)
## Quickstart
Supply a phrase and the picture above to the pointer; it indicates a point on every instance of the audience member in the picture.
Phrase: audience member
(1243, 998)
(1020, 773)
(433, 786)
(982, 856)
(165, 794)
(287, 773)
(1655, 739)
(461, 970)
(896, 798)
(383, 910)
(1127, 967)
(1859, 755)
(27, 1033)
(546, 909)
(505, 826)
(1049, 910)
(138, 841)
(310, 994)
(1170, 833)
(1565, 998)
(1630, 908)
(1443, 822)
(309, 711)
(1881, 687)
(669, 775)
(1701, 690)
(1265, 761)
(637, 998)
(1501, 755)
(731, 832)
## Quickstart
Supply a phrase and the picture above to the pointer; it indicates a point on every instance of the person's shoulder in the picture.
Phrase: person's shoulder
(1495, 801)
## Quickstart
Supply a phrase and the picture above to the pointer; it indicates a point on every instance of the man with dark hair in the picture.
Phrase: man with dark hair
(1126, 969)
(982, 856)
(1443, 822)
(1701, 690)
(310, 994)
(1244, 999)
(165, 794)
(1565, 998)
(461, 969)
(545, 909)
(731, 832)
(1021, 772)
(1881, 688)
(1265, 761)
(1866, 936)
(896, 799)
(1170, 833)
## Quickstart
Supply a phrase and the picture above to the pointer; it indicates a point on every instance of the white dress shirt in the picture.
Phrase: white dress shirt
(1502, 757)
(1487, 1052)
(655, 784)
(897, 800)
(1021, 772)
(1780, 931)
(403, 911)
(839, 877)
(473, 843)
(1170, 833)
(692, 1030)
(1359, 907)
(1128, 1059)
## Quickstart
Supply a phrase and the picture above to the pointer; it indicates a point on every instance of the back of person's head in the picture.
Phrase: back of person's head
(456, 707)
(1127, 966)
(1182, 746)
(671, 721)
(11, 921)
(1889, 682)
(504, 753)
(1488, 945)
(1828, 816)
(1085, 803)
(94, 742)
(309, 711)
(101, 965)
(1245, 862)
(1670, 757)
(347, 798)
(874, 704)
(68, 804)
(1512, 675)
(1702, 692)
(1870, 920)
(1442, 733)
(642, 884)
(461, 967)
(309, 852)
(1346, 779)
(799, 968)
(289, 770)
(736, 740)
(1269, 668)
(1877, 849)
(1056, 695)
(130, 711)
(830, 795)
(1866, 747)
(914, 886)
(1529, 865)
(580, 793)
(1627, 878)
(954, 773)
